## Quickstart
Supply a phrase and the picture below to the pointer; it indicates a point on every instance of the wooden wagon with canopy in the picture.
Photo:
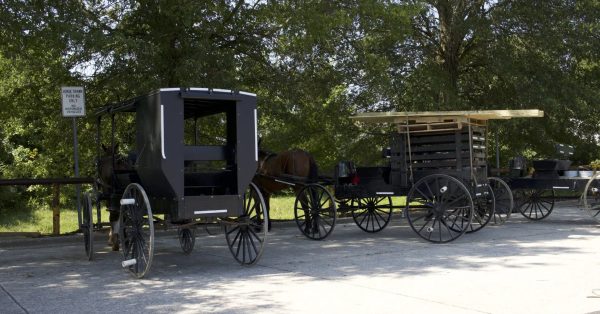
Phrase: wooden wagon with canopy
(438, 163)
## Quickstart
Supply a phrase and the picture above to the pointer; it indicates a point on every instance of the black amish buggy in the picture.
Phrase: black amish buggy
(192, 160)
(537, 189)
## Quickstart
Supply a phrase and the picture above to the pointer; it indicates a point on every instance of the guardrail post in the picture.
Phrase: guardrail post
(56, 209)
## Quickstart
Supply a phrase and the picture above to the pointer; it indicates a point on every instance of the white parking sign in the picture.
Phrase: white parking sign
(73, 101)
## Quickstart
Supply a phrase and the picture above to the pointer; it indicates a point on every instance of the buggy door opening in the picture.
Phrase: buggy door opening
(209, 138)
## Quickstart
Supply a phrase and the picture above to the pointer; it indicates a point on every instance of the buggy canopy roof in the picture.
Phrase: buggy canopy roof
(200, 107)
(440, 116)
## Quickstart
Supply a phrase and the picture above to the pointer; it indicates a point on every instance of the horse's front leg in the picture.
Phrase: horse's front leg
(304, 203)
(113, 235)
(267, 213)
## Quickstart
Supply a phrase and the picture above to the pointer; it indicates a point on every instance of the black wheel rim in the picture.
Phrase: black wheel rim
(187, 239)
(535, 204)
(504, 200)
(484, 206)
(87, 226)
(315, 212)
(136, 231)
(372, 214)
(439, 208)
(246, 235)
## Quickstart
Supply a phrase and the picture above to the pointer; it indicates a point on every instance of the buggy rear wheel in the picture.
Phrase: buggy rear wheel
(315, 212)
(187, 239)
(535, 204)
(87, 225)
(136, 230)
(439, 208)
(504, 200)
(483, 210)
(246, 235)
(591, 197)
(372, 214)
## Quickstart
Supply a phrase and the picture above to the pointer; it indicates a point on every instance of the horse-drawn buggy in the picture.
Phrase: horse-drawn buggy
(192, 160)
(552, 179)
(437, 167)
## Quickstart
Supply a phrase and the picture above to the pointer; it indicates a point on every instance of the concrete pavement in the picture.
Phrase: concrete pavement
(549, 266)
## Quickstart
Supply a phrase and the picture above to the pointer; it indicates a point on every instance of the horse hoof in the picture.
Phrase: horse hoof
(113, 241)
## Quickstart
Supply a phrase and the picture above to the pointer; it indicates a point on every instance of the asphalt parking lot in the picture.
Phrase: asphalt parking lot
(549, 266)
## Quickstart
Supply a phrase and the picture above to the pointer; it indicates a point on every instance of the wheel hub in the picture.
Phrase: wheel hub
(438, 210)
(370, 207)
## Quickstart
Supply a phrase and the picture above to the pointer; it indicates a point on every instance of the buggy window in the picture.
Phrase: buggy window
(206, 130)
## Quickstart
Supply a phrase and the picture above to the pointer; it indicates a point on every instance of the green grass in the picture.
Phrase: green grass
(282, 207)
(40, 218)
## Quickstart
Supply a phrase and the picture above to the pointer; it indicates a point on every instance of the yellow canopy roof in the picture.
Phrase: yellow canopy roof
(430, 116)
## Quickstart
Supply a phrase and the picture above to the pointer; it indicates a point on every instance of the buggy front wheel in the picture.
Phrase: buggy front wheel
(136, 230)
(315, 211)
(372, 214)
(591, 197)
(535, 204)
(187, 239)
(246, 235)
(504, 200)
(439, 208)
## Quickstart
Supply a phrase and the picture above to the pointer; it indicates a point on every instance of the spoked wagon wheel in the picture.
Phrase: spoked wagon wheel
(504, 200)
(187, 239)
(535, 204)
(372, 214)
(591, 197)
(483, 210)
(87, 225)
(315, 212)
(439, 208)
(136, 230)
(246, 235)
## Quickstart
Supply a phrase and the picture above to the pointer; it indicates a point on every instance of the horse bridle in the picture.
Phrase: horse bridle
(262, 162)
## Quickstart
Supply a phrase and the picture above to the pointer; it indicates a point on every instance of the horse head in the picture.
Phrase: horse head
(263, 156)
(108, 163)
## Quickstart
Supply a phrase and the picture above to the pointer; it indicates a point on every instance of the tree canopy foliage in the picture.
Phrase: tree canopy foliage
(311, 63)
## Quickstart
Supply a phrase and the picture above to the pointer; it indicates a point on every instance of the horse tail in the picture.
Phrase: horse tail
(313, 170)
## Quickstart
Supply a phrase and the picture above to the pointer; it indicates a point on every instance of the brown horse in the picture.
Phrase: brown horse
(296, 162)
(110, 162)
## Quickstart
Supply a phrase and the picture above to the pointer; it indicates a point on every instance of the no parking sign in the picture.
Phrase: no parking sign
(73, 101)
(73, 106)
